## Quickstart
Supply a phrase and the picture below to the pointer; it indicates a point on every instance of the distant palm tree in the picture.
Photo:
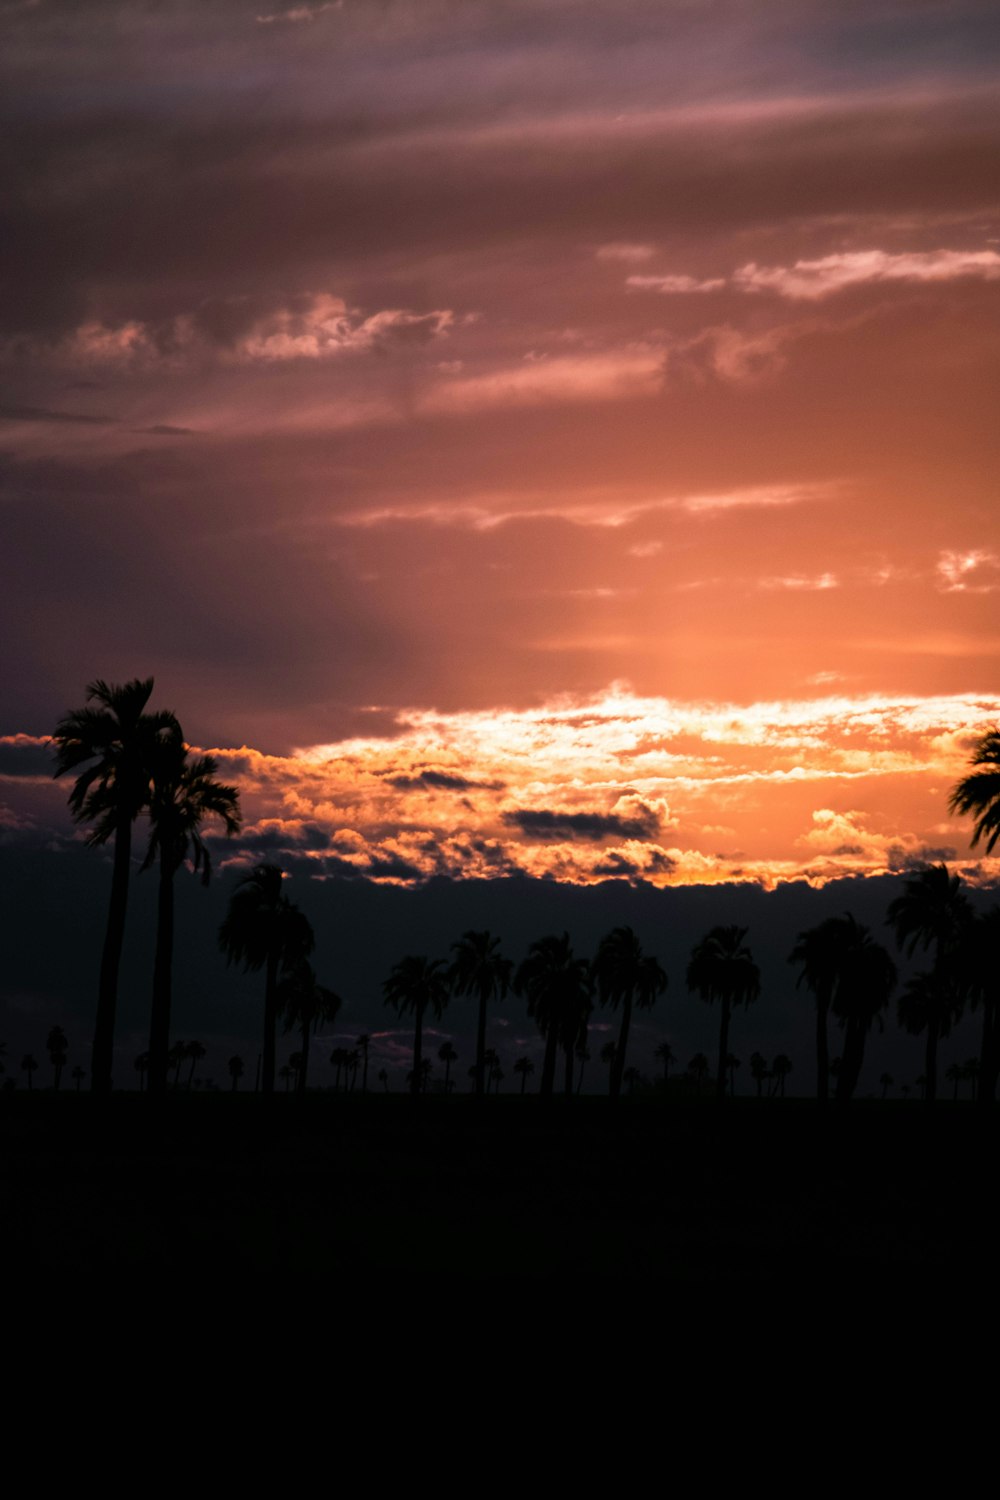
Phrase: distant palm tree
(886, 1081)
(525, 1067)
(732, 1063)
(758, 1071)
(932, 913)
(780, 1069)
(353, 1058)
(57, 1047)
(954, 1074)
(979, 792)
(631, 1077)
(235, 1070)
(478, 969)
(112, 745)
(287, 1073)
(698, 1067)
(339, 1058)
(364, 1042)
(29, 1065)
(415, 985)
(582, 1057)
(608, 1059)
(184, 795)
(78, 1075)
(304, 1003)
(625, 975)
(264, 930)
(666, 1055)
(447, 1055)
(176, 1058)
(383, 1078)
(195, 1052)
(142, 1068)
(721, 968)
(557, 987)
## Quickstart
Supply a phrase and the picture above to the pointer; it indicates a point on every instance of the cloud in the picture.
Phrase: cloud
(619, 376)
(974, 572)
(552, 826)
(622, 250)
(816, 583)
(811, 280)
(26, 755)
(298, 13)
(675, 285)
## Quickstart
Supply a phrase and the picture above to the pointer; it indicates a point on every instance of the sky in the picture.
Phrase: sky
(521, 440)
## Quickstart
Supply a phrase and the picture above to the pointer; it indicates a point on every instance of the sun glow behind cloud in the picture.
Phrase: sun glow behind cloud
(622, 786)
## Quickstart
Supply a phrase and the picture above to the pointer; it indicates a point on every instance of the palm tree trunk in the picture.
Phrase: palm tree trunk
(549, 1063)
(618, 1066)
(107, 995)
(301, 1082)
(930, 1062)
(270, 1020)
(159, 1023)
(822, 1053)
(481, 1042)
(720, 1077)
(568, 1049)
(418, 1052)
(850, 1067)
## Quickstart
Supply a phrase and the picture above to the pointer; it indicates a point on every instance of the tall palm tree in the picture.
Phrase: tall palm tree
(979, 792)
(557, 987)
(866, 979)
(111, 745)
(235, 1066)
(305, 1003)
(625, 975)
(416, 984)
(478, 969)
(818, 952)
(721, 968)
(447, 1055)
(184, 795)
(932, 913)
(666, 1055)
(780, 1069)
(264, 930)
(525, 1067)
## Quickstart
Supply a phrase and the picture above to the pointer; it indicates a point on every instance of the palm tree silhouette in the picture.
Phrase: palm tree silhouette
(625, 975)
(886, 1082)
(722, 968)
(414, 985)
(264, 930)
(447, 1055)
(732, 1063)
(818, 952)
(979, 792)
(112, 745)
(932, 913)
(525, 1067)
(141, 1066)
(780, 1069)
(698, 1067)
(478, 969)
(29, 1065)
(557, 987)
(582, 1057)
(383, 1078)
(758, 1071)
(78, 1075)
(364, 1042)
(866, 978)
(185, 794)
(194, 1052)
(57, 1047)
(305, 1003)
(666, 1055)
(235, 1066)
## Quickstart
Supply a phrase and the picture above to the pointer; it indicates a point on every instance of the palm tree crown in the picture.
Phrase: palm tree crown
(414, 985)
(558, 989)
(478, 969)
(979, 792)
(722, 968)
(626, 976)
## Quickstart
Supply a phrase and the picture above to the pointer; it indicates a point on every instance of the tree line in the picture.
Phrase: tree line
(129, 762)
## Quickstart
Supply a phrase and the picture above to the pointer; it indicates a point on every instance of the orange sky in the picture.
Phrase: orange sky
(591, 404)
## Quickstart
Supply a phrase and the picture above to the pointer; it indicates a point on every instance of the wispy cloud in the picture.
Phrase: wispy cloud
(974, 572)
(812, 280)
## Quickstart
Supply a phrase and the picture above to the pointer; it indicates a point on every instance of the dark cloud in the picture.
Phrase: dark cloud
(911, 861)
(20, 756)
(442, 781)
(543, 824)
(44, 414)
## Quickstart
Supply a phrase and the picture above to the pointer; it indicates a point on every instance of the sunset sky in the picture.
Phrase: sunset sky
(520, 438)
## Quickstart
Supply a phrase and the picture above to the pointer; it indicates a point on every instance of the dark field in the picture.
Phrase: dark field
(216, 1186)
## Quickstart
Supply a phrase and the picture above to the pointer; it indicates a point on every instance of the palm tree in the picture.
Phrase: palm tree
(29, 1065)
(112, 745)
(447, 1055)
(57, 1047)
(886, 1082)
(979, 792)
(780, 1069)
(264, 930)
(176, 1058)
(722, 968)
(608, 1059)
(582, 1057)
(932, 913)
(414, 985)
(287, 1072)
(632, 1076)
(383, 1078)
(557, 987)
(141, 1066)
(305, 1003)
(698, 1068)
(338, 1058)
(525, 1067)
(185, 794)
(866, 979)
(818, 951)
(666, 1055)
(364, 1042)
(78, 1075)
(195, 1052)
(235, 1070)
(478, 969)
(732, 1063)
(625, 975)
(758, 1070)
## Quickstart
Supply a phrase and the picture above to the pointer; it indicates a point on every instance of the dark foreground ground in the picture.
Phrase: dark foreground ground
(213, 1187)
